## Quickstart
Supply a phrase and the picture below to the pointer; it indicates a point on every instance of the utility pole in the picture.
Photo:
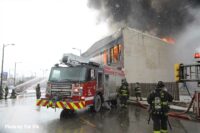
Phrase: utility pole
(2, 63)
(15, 73)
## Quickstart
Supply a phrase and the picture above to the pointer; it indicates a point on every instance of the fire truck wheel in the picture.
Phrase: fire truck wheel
(97, 103)
(66, 113)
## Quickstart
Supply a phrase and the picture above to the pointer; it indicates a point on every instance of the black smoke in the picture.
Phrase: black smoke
(160, 17)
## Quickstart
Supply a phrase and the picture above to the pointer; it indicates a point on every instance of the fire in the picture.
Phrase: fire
(168, 40)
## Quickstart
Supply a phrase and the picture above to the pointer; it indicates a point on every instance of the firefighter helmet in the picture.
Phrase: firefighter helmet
(124, 81)
(160, 84)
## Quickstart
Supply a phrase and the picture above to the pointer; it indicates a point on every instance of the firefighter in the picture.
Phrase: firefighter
(38, 93)
(158, 101)
(138, 91)
(6, 92)
(13, 94)
(123, 93)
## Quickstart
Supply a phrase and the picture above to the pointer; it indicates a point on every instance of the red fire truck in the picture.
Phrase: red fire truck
(75, 84)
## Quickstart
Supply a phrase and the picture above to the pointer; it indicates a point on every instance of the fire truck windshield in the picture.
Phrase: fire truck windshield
(60, 74)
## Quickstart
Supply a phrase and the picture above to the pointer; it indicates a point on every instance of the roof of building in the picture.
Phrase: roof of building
(112, 39)
(101, 43)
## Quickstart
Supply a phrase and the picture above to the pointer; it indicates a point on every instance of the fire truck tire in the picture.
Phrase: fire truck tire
(66, 113)
(97, 104)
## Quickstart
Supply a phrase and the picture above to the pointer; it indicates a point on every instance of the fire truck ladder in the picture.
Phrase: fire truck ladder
(183, 74)
(189, 73)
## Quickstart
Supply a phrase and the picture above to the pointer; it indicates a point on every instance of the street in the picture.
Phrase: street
(22, 116)
(72, 66)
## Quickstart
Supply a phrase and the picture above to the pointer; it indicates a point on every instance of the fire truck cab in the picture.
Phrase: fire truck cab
(77, 83)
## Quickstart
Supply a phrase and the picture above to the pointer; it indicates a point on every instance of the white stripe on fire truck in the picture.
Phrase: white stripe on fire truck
(89, 98)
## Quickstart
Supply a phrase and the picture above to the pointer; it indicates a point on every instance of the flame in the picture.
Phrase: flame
(168, 40)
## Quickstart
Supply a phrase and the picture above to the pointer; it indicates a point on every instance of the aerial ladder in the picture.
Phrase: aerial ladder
(189, 73)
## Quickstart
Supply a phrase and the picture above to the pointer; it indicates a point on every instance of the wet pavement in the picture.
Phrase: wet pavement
(22, 116)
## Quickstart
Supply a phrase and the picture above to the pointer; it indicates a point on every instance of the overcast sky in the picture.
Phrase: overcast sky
(42, 30)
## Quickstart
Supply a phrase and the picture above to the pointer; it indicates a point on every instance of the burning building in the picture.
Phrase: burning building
(144, 58)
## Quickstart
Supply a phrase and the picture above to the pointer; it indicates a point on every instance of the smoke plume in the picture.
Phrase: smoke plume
(158, 17)
(188, 41)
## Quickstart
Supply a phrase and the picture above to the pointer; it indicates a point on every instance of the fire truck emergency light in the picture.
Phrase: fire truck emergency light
(197, 55)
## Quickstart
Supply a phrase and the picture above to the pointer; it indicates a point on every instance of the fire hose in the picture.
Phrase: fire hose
(181, 115)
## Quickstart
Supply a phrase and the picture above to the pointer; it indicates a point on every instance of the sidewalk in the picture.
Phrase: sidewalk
(172, 107)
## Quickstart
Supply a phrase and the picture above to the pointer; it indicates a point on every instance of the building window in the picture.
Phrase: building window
(112, 55)
(109, 56)
(105, 57)
(115, 53)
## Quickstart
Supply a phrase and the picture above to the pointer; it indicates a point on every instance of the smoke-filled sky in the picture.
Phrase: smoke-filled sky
(179, 19)
(158, 17)
(42, 30)
(188, 42)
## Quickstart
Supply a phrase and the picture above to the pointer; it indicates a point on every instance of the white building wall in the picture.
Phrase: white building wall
(147, 59)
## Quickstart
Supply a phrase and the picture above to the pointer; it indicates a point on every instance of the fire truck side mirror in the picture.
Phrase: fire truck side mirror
(92, 75)
(177, 72)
